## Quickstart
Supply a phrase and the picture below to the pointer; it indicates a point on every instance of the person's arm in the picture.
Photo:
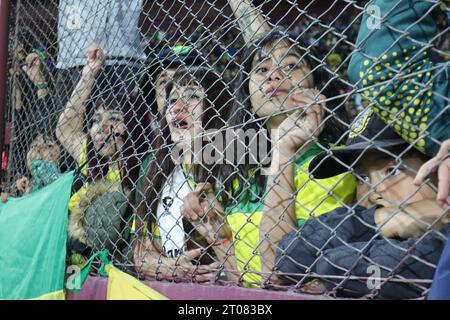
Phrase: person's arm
(153, 265)
(30, 86)
(224, 251)
(411, 221)
(251, 21)
(399, 74)
(204, 212)
(69, 130)
(33, 69)
(18, 100)
(279, 216)
(279, 209)
(149, 261)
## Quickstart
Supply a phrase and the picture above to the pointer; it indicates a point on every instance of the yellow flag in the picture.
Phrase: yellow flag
(122, 286)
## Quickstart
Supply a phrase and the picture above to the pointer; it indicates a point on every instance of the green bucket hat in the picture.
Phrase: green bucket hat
(104, 220)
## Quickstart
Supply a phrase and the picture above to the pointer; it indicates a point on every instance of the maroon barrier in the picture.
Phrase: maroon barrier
(95, 289)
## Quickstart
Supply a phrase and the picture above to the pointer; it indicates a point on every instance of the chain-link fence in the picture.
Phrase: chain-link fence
(261, 143)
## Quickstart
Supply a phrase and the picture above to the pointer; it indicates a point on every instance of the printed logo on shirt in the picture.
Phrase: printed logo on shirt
(167, 203)
(169, 219)
(360, 123)
(174, 253)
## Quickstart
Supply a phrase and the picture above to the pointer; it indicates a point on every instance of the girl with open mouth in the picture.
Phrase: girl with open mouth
(167, 246)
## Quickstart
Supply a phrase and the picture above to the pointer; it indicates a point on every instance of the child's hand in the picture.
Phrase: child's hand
(4, 196)
(184, 268)
(306, 123)
(202, 209)
(96, 60)
(441, 164)
(23, 186)
(153, 266)
(33, 68)
(200, 202)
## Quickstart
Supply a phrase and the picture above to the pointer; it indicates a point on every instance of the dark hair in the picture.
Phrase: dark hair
(217, 105)
(243, 118)
(147, 84)
(28, 39)
(46, 136)
(167, 58)
(137, 133)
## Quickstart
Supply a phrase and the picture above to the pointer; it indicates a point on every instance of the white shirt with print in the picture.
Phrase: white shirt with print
(169, 219)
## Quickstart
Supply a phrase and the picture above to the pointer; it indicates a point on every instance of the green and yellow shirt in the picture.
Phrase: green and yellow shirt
(113, 177)
(314, 197)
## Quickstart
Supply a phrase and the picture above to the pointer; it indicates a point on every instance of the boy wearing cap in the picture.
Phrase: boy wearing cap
(395, 232)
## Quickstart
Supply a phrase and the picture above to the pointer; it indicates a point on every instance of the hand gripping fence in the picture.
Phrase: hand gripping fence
(265, 144)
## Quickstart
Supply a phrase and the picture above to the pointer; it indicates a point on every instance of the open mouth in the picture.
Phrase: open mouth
(180, 122)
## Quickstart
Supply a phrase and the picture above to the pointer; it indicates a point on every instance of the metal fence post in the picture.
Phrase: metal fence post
(4, 19)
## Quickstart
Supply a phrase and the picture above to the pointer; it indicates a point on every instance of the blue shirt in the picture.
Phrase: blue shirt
(440, 289)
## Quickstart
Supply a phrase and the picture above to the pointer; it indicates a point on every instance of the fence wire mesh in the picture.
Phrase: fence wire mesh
(265, 143)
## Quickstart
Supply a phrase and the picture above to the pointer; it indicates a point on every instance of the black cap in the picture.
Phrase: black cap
(368, 133)
(176, 56)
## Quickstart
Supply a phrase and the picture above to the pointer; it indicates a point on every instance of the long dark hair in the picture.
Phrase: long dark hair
(216, 108)
(242, 116)
(136, 139)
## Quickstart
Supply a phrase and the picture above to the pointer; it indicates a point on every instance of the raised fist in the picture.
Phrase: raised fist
(33, 68)
(95, 61)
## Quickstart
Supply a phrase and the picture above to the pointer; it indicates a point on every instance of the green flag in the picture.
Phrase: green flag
(33, 234)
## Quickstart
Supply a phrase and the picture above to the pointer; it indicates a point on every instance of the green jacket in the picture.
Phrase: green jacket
(393, 68)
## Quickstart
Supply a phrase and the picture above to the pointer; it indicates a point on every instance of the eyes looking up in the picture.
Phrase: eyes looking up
(287, 67)
(111, 117)
(280, 61)
(189, 96)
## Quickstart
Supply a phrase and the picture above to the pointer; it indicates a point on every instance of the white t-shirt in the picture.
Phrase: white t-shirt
(169, 219)
(113, 24)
